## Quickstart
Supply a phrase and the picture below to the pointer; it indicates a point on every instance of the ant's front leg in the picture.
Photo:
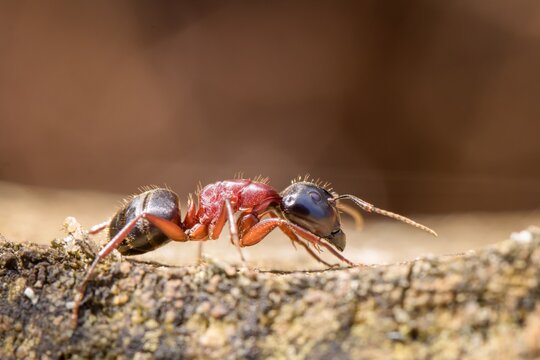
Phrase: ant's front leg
(263, 228)
(293, 237)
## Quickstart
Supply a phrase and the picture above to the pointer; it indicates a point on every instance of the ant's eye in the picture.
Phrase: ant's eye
(315, 196)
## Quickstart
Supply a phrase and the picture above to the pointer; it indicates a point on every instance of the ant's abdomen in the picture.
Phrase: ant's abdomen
(145, 236)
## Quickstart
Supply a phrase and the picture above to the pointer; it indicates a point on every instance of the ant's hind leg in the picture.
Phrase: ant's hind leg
(172, 230)
(106, 250)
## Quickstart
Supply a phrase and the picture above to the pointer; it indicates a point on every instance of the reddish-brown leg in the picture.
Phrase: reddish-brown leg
(246, 221)
(196, 229)
(234, 230)
(263, 228)
(338, 255)
(215, 228)
(172, 230)
(191, 216)
(295, 239)
(314, 239)
(198, 232)
(200, 252)
(227, 214)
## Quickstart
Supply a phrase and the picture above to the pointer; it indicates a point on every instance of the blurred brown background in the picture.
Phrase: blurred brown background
(415, 105)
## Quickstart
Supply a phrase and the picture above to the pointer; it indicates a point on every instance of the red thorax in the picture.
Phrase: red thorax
(245, 195)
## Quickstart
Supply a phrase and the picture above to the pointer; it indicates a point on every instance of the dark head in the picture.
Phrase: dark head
(314, 209)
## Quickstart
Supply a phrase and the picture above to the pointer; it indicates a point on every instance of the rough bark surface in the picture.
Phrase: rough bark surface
(477, 305)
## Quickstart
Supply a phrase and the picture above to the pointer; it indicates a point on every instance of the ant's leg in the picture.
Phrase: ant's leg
(227, 214)
(190, 222)
(191, 215)
(200, 252)
(285, 229)
(295, 240)
(259, 231)
(80, 292)
(106, 250)
(314, 254)
(98, 227)
(317, 241)
(198, 232)
(272, 214)
(172, 230)
(233, 229)
(338, 255)
(215, 227)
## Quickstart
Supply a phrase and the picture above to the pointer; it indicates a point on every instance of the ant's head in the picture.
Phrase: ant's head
(313, 208)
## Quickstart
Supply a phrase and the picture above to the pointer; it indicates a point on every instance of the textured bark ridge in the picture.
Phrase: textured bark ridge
(477, 305)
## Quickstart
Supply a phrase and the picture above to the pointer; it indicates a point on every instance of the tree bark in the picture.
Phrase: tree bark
(476, 305)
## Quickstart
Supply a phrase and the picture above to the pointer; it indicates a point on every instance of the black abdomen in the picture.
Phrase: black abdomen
(145, 236)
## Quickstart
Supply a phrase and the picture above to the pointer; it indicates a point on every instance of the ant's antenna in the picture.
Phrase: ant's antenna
(364, 205)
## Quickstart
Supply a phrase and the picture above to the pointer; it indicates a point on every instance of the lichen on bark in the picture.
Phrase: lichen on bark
(478, 305)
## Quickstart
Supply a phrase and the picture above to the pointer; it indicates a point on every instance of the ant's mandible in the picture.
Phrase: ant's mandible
(306, 211)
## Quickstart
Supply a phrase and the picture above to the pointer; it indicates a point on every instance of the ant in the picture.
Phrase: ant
(306, 211)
